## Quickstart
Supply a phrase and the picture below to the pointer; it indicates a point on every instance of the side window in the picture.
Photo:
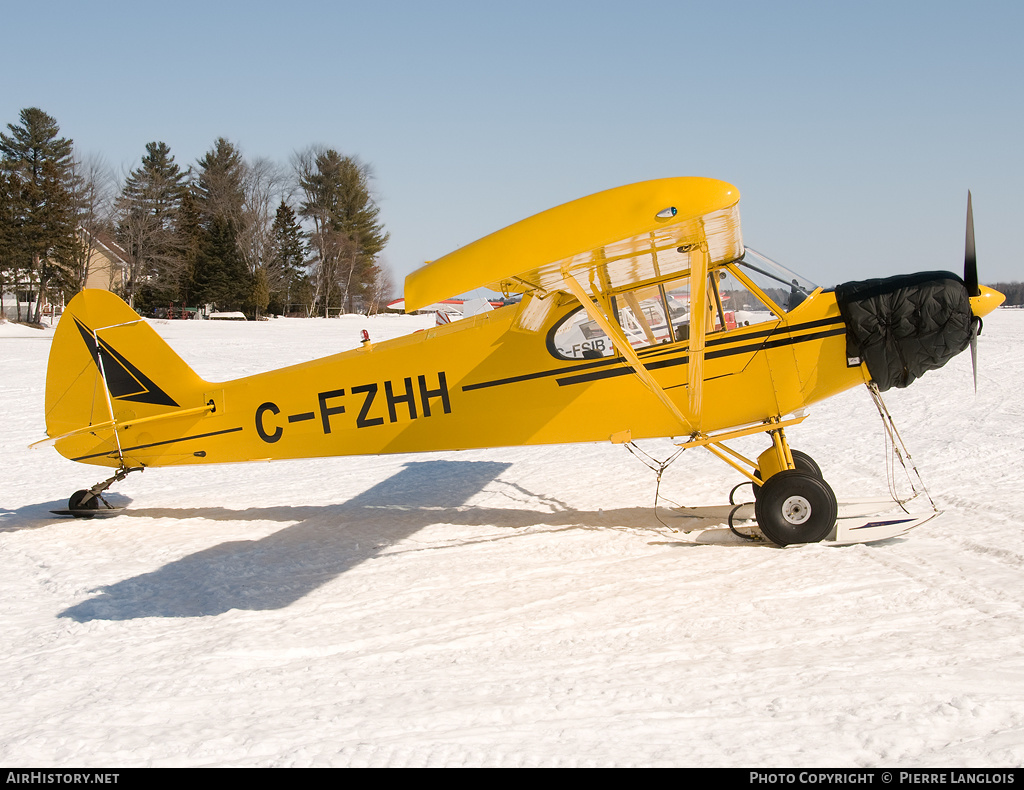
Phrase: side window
(648, 316)
(643, 316)
(717, 302)
(579, 337)
(677, 302)
(740, 306)
(657, 314)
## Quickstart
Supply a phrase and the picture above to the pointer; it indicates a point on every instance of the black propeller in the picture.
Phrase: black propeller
(971, 281)
(904, 326)
(970, 257)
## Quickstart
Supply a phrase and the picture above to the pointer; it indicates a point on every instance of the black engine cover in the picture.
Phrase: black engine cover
(904, 326)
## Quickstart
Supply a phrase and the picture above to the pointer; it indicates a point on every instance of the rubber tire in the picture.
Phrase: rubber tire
(803, 462)
(83, 500)
(796, 507)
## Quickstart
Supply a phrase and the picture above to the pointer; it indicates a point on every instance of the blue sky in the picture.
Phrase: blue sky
(853, 130)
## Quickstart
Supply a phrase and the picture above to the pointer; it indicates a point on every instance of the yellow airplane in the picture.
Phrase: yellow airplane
(640, 314)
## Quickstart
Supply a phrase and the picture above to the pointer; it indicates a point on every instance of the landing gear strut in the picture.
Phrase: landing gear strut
(801, 461)
(793, 503)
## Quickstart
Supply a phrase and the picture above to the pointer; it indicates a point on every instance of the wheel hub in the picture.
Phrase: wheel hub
(796, 510)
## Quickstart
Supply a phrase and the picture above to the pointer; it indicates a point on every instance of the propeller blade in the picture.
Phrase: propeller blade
(970, 257)
(976, 325)
(974, 357)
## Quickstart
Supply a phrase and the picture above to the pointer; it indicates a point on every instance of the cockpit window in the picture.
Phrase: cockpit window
(659, 314)
(784, 287)
(646, 315)
(741, 305)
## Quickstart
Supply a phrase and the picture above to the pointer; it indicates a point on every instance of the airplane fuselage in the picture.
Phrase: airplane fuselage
(479, 382)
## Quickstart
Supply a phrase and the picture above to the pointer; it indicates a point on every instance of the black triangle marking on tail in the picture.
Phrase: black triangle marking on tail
(124, 380)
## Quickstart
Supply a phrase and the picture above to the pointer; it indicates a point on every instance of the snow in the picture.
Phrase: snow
(510, 607)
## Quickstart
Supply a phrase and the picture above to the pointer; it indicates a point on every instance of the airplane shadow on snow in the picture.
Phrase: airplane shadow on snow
(279, 569)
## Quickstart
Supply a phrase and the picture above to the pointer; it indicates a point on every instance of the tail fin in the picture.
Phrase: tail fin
(109, 366)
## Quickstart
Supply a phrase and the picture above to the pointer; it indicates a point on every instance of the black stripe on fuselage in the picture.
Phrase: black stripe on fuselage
(600, 363)
(682, 360)
(607, 368)
(157, 444)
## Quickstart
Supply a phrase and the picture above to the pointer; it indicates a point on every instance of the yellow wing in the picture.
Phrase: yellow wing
(596, 246)
(607, 240)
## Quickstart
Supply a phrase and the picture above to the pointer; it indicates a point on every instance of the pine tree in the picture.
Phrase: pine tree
(147, 227)
(14, 258)
(221, 275)
(347, 235)
(287, 257)
(259, 297)
(189, 234)
(40, 163)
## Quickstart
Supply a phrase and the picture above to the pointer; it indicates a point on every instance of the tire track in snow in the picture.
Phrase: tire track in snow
(987, 581)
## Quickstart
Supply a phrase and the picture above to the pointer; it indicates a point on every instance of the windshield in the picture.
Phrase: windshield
(786, 288)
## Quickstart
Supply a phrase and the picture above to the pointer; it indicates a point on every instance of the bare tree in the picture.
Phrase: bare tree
(263, 183)
(95, 195)
(382, 291)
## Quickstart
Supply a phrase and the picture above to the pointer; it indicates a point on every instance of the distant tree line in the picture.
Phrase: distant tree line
(248, 235)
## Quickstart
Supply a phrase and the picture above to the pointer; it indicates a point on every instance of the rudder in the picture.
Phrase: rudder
(100, 338)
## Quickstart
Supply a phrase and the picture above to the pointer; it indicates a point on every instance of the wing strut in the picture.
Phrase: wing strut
(698, 328)
(620, 341)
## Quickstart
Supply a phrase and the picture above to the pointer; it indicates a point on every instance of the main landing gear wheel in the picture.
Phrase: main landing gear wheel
(795, 506)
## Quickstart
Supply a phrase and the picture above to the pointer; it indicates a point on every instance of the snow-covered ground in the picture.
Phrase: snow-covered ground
(510, 607)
